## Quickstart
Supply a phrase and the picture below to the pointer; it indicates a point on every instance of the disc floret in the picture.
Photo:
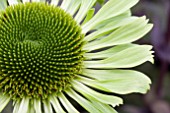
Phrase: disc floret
(40, 50)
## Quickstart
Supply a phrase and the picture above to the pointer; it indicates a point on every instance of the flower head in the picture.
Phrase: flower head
(49, 52)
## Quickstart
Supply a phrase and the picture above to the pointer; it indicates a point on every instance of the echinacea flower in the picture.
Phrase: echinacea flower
(50, 53)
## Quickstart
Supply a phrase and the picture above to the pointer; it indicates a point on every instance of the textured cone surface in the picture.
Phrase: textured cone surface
(40, 50)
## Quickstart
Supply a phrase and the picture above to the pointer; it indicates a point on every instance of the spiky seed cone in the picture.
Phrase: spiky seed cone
(40, 50)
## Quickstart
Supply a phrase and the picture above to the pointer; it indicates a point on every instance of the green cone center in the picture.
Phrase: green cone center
(40, 50)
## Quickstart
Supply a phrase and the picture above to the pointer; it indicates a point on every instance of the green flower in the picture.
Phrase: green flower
(51, 53)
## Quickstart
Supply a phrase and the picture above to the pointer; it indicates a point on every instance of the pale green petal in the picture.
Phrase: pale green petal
(123, 35)
(127, 58)
(42, 0)
(38, 0)
(113, 51)
(57, 107)
(16, 106)
(54, 2)
(69, 107)
(31, 110)
(107, 21)
(89, 15)
(24, 1)
(103, 107)
(4, 100)
(73, 7)
(110, 9)
(23, 108)
(3, 4)
(109, 27)
(65, 4)
(13, 2)
(86, 5)
(37, 106)
(31, 107)
(93, 95)
(83, 102)
(117, 81)
(109, 52)
(47, 106)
